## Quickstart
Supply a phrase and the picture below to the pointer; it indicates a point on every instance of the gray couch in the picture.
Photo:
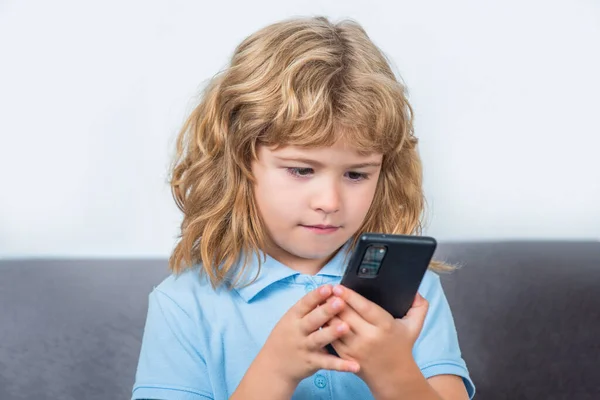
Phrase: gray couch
(527, 313)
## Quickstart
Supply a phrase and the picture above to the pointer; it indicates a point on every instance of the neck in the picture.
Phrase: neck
(308, 266)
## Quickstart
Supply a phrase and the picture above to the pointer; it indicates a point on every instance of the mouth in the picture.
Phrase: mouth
(321, 229)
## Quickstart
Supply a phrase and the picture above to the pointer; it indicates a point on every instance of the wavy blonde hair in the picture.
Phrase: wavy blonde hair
(302, 82)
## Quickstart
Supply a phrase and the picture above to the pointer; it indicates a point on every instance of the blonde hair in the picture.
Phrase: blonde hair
(301, 82)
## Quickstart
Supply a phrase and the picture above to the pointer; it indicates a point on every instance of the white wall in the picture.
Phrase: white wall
(506, 94)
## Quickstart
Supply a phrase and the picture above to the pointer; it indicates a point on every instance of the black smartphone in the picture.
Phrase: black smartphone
(388, 270)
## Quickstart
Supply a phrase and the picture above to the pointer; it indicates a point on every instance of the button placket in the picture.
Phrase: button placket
(310, 284)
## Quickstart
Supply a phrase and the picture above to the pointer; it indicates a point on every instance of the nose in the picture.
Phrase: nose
(327, 198)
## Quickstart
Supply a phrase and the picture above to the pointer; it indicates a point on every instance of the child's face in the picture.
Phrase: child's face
(313, 200)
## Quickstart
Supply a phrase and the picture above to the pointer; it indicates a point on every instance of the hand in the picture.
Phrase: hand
(381, 344)
(295, 347)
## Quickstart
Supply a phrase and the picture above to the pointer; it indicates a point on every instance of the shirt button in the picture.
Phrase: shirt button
(309, 287)
(320, 381)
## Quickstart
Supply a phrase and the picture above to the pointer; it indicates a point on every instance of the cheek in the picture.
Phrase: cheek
(360, 201)
(275, 197)
(273, 185)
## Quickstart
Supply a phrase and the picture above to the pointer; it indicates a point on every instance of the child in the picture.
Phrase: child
(303, 143)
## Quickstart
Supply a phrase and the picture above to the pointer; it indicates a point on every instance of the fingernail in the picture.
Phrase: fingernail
(341, 328)
(336, 304)
(337, 290)
(324, 290)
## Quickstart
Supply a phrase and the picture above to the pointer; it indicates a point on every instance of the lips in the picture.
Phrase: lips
(321, 229)
(321, 226)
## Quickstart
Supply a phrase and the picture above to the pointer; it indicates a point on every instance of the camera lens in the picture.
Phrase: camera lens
(364, 270)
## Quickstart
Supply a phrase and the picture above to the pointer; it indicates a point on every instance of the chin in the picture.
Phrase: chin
(314, 253)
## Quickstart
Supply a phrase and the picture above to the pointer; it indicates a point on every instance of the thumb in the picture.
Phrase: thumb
(415, 317)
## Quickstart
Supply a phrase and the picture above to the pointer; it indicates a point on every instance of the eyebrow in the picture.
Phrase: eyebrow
(318, 164)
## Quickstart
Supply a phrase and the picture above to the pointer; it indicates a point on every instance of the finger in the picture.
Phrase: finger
(324, 336)
(418, 300)
(368, 310)
(320, 315)
(311, 300)
(419, 307)
(341, 346)
(356, 323)
(333, 363)
(345, 336)
(337, 321)
(415, 316)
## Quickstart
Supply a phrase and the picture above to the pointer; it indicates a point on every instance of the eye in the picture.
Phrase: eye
(300, 172)
(357, 176)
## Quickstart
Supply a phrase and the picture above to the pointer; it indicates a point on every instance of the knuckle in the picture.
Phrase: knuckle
(328, 334)
(364, 308)
(311, 363)
(301, 305)
(387, 325)
(371, 337)
(306, 323)
(323, 315)
(337, 365)
(333, 364)
(341, 365)
(312, 297)
(313, 340)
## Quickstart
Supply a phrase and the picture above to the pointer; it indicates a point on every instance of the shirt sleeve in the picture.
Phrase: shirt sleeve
(437, 351)
(170, 366)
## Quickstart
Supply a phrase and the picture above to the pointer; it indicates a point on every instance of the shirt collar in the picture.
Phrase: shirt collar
(272, 271)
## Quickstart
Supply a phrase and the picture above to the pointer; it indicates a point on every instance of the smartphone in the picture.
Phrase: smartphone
(388, 270)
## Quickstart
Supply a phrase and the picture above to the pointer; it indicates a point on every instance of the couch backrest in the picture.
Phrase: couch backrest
(528, 317)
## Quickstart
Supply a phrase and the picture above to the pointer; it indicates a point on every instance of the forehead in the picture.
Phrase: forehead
(340, 149)
(338, 152)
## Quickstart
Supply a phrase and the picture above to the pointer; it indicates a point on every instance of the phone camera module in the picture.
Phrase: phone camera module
(371, 261)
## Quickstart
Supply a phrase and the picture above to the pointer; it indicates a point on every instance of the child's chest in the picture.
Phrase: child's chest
(239, 330)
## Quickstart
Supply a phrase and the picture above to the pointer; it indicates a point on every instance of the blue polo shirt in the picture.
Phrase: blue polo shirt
(199, 342)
